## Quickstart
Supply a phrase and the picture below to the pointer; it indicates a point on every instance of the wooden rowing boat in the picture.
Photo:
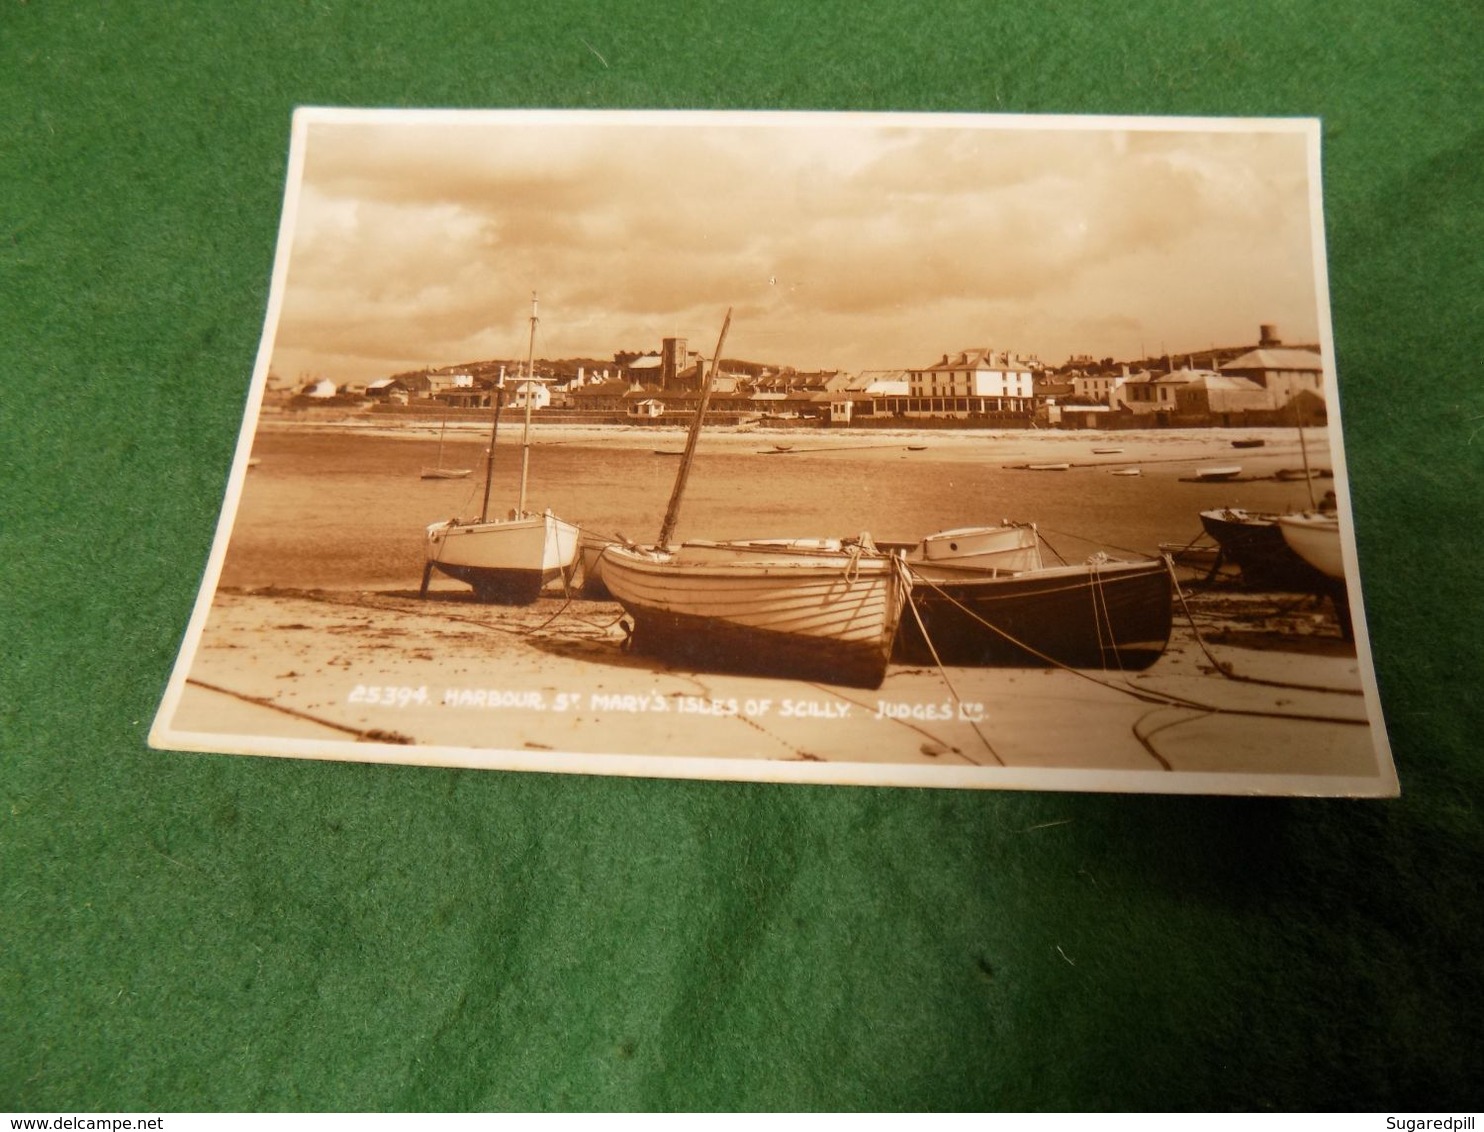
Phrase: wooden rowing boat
(1098, 614)
(826, 615)
(795, 609)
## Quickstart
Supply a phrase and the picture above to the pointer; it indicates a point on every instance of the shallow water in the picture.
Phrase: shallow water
(345, 510)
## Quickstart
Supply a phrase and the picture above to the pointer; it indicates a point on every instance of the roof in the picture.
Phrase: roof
(613, 387)
(979, 356)
(1278, 357)
(1226, 382)
(1182, 376)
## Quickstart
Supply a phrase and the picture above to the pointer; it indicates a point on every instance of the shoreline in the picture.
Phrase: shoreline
(1281, 447)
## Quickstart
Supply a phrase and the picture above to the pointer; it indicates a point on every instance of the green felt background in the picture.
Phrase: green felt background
(184, 932)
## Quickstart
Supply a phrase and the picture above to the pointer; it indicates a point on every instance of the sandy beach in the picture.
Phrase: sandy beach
(449, 676)
(316, 642)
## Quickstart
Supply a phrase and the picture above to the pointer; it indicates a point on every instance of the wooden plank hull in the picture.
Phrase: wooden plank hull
(1103, 615)
(802, 615)
(507, 561)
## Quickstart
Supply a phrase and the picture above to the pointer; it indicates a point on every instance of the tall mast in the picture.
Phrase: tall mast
(1304, 451)
(673, 512)
(498, 396)
(525, 438)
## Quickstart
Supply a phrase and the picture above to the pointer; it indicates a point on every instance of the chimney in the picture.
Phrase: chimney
(1269, 338)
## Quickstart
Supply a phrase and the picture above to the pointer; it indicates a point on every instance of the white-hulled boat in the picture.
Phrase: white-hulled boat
(590, 549)
(1315, 537)
(1009, 548)
(506, 560)
(791, 608)
(782, 610)
(1223, 472)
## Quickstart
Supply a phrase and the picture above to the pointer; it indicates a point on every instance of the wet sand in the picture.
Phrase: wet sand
(452, 676)
(317, 644)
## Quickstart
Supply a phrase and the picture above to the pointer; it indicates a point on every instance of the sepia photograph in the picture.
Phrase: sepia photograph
(879, 449)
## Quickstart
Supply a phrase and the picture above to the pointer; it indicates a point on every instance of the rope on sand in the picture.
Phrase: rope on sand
(365, 735)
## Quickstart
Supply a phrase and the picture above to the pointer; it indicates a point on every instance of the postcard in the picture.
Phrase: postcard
(875, 449)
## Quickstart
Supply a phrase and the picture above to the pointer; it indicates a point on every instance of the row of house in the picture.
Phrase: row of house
(980, 383)
(1263, 379)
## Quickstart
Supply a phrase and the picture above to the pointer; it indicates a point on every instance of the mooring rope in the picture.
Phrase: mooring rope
(369, 735)
(1224, 668)
(904, 576)
(1165, 699)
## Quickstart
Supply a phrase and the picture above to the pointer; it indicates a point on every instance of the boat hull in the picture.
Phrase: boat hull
(1006, 549)
(825, 616)
(590, 557)
(1098, 615)
(1255, 543)
(508, 561)
(1315, 539)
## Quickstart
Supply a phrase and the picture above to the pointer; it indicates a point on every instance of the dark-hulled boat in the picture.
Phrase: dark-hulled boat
(1098, 614)
(1254, 541)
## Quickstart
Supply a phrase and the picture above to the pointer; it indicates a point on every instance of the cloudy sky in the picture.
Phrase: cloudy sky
(841, 242)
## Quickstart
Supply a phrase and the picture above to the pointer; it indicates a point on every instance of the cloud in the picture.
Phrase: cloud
(840, 245)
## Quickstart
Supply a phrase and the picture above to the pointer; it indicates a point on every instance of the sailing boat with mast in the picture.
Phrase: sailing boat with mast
(803, 609)
(438, 471)
(506, 560)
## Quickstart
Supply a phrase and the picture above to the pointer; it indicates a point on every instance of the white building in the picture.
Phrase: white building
(980, 372)
(976, 382)
(536, 391)
(1281, 370)
(648, 409)
(1101, 387)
